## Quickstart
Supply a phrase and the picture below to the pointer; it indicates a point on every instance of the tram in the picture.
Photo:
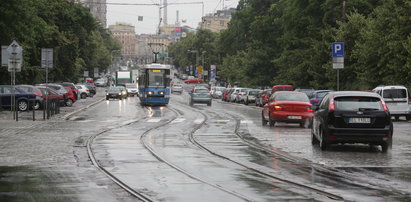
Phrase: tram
(154, 84)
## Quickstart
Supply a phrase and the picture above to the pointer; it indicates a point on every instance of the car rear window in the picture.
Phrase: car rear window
(201, 90)
(292, 97)
(357, 103)
(395, 93)
(253, 92)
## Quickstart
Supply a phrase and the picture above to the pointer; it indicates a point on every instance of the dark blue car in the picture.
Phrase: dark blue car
(318, 96)
(23, 98)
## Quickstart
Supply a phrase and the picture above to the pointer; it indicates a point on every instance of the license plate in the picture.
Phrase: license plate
(359, 120)
(294, 117)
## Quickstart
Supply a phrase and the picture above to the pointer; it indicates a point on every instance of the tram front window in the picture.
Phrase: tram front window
(156, 78)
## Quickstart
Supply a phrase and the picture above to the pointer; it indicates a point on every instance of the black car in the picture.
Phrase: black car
(23, 98)
(352, 117)
(114, 92)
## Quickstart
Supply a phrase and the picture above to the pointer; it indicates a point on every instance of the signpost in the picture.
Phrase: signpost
(46, 62)
(338, 59)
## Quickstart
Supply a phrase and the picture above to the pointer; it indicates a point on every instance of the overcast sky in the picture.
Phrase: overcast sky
(190, 12)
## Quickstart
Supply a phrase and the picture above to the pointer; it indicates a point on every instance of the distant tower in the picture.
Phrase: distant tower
(177, 18)
(165, 12)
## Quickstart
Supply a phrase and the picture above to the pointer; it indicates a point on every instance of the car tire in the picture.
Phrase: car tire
(120, 98)
(246, 102)
(69, 102)
(37, 105)
(209, 103)
(263, 121)
(385, 146)
(270, 121)
(302, 125)
(107, 98)
(397, 118)
(408, 117)
(83, 96)
(22, 105)
(313, 138)
(323, 142)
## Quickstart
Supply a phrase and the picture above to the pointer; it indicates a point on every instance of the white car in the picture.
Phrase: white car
(131, 89)
(177, 88)
(102, 82)
(396, 99)
(83, 90)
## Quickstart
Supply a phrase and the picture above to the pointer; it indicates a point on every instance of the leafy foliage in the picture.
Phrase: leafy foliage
(79, 42)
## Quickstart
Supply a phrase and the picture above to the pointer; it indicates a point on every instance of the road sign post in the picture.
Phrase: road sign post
(338, 59)
(46, 62)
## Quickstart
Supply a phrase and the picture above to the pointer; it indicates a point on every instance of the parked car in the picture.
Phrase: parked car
(226, 94)
(184, 77)
(49, 94)
(265, 96)
(397, 99)
(92, 88)
(23, 98)
(317, 97)
(132, 89)
(250, 96)
(241, 95)
(114, 92)
(217, 91)
(200, 95)
(60, 90)
(177, 88)
(289, 107)
(83, 90)
(277, 88)
(71, 97)
(257, 98)
(194, 80)
(35, 91)
(233, 95)
(73, 88)
(352, 117)
(101, 82)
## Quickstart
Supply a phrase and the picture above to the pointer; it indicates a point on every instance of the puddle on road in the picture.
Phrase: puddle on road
(32, 184)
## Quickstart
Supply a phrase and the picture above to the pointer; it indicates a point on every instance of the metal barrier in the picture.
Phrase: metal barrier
(50, 108)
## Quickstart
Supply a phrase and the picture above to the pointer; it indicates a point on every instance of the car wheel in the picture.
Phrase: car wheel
(385, 146)
(313, 138)
(83, 96)
(209, 103)
(69, 103)
(408, 117)
(323, 143)
(271, 122)
(263, 121)
(397, 118)
(120, 98)
(246, 102)
(22, 105)
(107, 98)
(37, 105)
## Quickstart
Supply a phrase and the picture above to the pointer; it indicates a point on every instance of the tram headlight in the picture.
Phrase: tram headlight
(161, 93)
(149, 93)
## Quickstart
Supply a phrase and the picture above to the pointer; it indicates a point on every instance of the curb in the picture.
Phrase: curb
(67, 116)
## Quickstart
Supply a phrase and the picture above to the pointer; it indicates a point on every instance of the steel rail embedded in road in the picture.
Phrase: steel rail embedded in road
(158, 156)
(319, 191)
(109, 174)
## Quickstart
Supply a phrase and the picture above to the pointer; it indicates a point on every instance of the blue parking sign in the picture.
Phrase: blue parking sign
(337, 49)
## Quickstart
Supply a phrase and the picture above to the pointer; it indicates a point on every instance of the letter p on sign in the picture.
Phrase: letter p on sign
(338, 49)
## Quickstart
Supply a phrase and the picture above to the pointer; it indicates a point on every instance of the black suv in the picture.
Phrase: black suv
(352, 117)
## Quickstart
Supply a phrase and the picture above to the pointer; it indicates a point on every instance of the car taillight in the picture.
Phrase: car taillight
(277, 108)
(309, 109)
(39, 94)
(88, 90)
(332, 107)
(384, 106)
(315, 100)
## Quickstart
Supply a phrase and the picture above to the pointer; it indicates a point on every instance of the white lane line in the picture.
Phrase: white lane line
(221, 121)
(153, 120)
(198, 121)
(246, 121)
(178, 120)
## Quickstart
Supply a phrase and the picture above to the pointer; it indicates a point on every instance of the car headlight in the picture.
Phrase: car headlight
(119, 93)
(106, 93)
(124, 92)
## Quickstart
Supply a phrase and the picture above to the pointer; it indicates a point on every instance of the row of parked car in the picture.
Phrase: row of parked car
(34, 96)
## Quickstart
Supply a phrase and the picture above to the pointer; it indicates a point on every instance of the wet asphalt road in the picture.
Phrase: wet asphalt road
(201, 153)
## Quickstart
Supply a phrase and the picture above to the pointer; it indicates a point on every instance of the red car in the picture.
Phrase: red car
(264, 97)
(289, 107)
(194, 81)
(282, 88)
(51, 94)
(70, 97)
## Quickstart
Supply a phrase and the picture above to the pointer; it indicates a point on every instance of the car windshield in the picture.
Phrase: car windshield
(113, 90)
(357, 103)
(253, 92)
(292, 97)
(177, 85)
(395, 93)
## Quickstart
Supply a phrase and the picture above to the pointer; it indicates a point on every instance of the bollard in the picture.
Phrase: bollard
(34, 111)
(48, 109)
(16, 111)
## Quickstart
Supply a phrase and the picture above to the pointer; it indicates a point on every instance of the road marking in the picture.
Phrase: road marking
(198, 121)
(246, 121)
(221, 121)
(178, 120)
(153, 120)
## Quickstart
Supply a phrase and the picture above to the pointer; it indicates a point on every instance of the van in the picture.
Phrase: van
(396, 99)
(282, 88)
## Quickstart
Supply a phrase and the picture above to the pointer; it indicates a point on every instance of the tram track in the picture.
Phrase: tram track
(195, 141)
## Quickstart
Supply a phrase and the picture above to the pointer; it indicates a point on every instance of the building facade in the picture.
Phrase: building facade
(126, 35)
(98, 9)
(216, 22)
